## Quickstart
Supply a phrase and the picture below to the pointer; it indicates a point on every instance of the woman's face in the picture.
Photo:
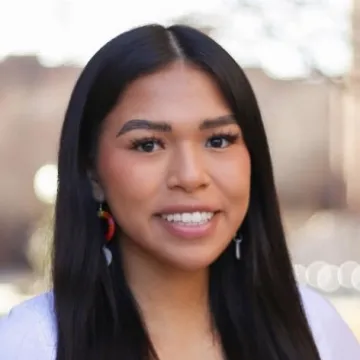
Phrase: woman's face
(174, 168)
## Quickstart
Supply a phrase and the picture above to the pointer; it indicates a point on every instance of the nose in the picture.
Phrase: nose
(187, 170)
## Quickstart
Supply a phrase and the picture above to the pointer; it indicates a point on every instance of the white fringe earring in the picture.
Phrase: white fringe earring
(108, 255)
(238, 239)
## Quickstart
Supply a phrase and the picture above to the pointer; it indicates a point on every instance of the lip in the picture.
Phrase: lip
(175, 209)
(193, 231)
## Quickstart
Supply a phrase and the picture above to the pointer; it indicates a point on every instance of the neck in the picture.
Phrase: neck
(169, 298)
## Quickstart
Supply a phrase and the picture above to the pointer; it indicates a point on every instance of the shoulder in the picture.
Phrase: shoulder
(29, 330)
(333, 337)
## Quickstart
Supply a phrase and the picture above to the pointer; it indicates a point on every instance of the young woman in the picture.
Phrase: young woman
(168, 242)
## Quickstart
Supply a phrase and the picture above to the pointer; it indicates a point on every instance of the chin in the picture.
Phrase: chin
(191, 262)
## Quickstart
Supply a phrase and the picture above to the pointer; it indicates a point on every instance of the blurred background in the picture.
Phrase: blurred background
(303, 60)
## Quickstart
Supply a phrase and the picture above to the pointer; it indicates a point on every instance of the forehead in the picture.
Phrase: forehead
(177, 93)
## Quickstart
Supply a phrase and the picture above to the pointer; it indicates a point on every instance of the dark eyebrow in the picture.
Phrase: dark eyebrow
(218, 121)
(136, 124)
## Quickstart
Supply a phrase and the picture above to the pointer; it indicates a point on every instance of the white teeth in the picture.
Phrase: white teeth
(189, 218)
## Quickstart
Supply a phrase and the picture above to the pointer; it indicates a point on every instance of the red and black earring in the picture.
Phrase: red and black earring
(109, 234)
(105, 215)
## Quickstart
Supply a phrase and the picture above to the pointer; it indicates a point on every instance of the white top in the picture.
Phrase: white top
(29, 331)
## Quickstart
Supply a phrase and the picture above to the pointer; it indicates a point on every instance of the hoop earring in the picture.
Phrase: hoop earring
(238, 239)
(104, 215)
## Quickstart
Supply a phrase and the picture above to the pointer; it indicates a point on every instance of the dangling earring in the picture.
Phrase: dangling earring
(102, 214)
(107, 254)
(238, 239)
(105, 215)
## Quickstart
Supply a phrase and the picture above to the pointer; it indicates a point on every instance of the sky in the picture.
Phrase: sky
(284, 39)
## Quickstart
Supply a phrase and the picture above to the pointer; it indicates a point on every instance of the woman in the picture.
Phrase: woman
(168, 238)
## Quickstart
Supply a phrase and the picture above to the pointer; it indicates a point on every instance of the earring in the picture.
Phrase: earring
(107, 254)
(105, 215)
(238, 239)
(109, 233)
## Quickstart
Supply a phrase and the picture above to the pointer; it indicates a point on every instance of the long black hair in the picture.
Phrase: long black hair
(255, 302)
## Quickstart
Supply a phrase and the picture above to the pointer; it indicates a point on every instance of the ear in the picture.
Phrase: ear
(97, 190)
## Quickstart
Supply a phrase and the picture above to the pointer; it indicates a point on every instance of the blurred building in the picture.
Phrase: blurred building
(304, 122)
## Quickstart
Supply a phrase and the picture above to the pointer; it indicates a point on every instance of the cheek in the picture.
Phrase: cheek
(235, 187)
(126, 181)
(233, 176)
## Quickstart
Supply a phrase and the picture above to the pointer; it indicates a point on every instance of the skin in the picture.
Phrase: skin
(192, 164)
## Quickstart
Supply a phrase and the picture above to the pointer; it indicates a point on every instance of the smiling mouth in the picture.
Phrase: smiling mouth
(190, 225)
(189, 218)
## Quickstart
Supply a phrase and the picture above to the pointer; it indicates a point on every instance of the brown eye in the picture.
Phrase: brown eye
(147, 145)
(221, 141)
(217, 142)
